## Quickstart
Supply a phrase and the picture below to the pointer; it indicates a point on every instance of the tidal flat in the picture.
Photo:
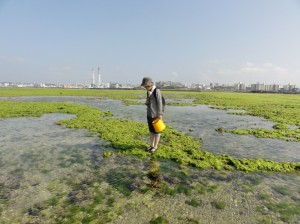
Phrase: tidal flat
(54, 174)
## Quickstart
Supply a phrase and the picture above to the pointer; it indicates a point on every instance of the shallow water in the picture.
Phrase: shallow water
(201, 122)
(46, 168)
(34, 152)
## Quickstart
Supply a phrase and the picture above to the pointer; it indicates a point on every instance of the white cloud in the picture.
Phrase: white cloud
(264, 69)
(249, 73)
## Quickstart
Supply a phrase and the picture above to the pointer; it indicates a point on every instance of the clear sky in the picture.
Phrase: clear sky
(190, 41)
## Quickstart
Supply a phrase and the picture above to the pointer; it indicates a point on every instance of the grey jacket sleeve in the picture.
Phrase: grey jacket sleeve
(159, 103)
(155, 107)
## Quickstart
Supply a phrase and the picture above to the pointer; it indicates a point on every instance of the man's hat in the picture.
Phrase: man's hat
(147, 82)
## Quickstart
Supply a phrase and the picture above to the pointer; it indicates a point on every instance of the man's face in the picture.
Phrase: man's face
(148, 87)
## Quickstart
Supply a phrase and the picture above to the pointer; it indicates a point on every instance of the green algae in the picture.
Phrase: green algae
(169, 190)
(194, 202)
(203, 189)
(281, 126)
(182, 104)
(287, 210)
(220, 205)
(283, 190)
(154, 174)
(254, 180)
(110, 202)
(175, 145)
(192, 221)
(250, 183)
(277, 133)
(85, 202)
(263, 196)
(122, 179)
(131, 102)
(159, 220)
(264, 220)
(53, 201)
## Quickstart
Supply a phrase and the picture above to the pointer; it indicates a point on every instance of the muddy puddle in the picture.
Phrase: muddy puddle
(51, 174)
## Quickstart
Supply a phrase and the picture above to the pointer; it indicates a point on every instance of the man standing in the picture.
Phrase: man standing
(154, 105)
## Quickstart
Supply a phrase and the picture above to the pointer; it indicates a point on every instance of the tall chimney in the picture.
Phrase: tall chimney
(93, 78)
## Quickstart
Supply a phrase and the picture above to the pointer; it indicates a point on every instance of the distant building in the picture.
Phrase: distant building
(240, 86)
(74, 86)
(25, 85)
(223, 87)
(272, 88)
(5, 84)
(114, 85)
(198, 86)
(258, 87)
(289, 87)
(213, 85)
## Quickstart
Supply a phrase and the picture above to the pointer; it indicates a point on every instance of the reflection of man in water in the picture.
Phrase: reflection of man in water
(154, 110)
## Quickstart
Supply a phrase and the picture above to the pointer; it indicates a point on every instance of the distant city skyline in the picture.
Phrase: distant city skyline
(161, 82)
(240, 87)
(193, 41)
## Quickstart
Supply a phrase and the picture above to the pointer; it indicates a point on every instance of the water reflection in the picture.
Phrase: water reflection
(153, 174)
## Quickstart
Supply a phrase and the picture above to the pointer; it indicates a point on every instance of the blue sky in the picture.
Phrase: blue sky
(190, 41)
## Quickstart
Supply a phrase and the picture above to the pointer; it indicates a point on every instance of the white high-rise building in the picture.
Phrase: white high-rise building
(99, 78)
(93, 79)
